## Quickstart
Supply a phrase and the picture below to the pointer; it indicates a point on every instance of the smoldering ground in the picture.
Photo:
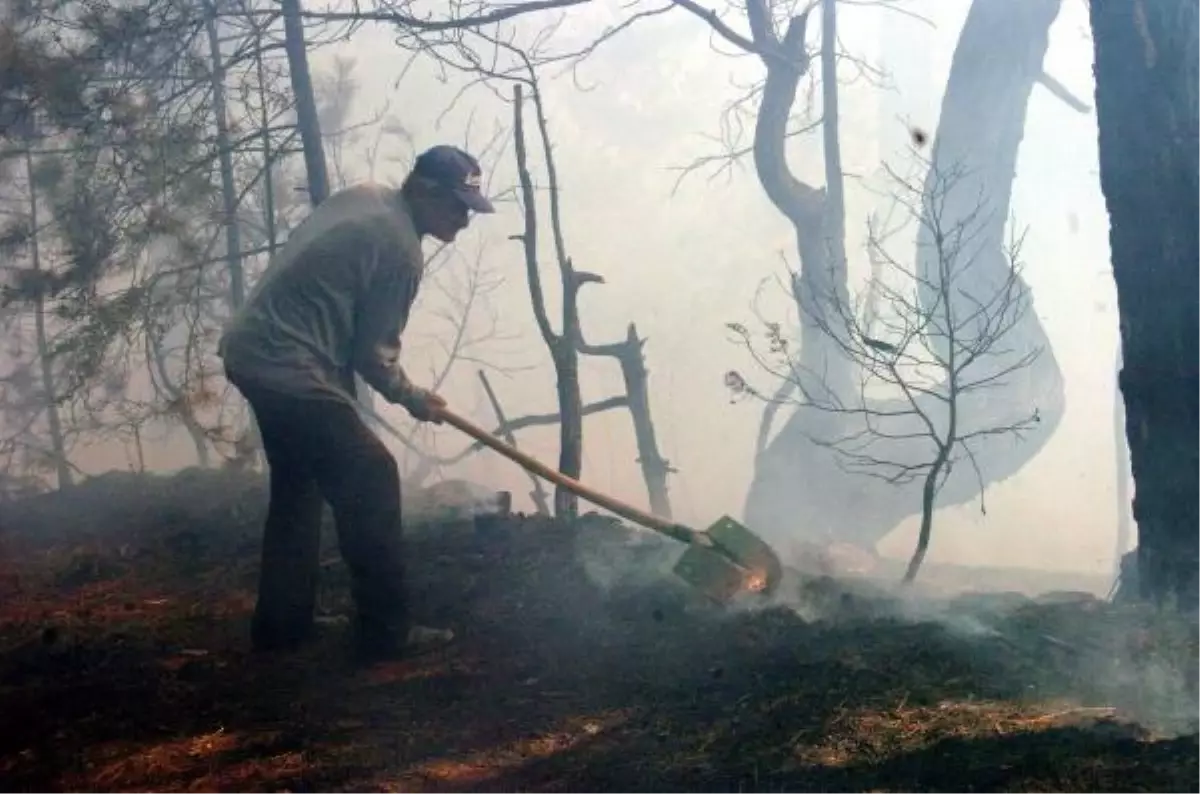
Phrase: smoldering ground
(579, 664)
(1134, 655)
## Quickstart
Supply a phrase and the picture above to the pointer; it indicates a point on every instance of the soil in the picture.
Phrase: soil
(125, 665)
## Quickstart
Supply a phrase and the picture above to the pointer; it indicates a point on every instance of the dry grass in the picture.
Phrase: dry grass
(857, 734)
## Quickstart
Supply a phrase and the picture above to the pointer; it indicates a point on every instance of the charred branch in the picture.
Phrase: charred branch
(1063, 93)
(538, 494)
(409, 22)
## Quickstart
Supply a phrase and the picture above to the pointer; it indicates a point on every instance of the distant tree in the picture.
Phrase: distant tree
(796, 490)
(927, 366)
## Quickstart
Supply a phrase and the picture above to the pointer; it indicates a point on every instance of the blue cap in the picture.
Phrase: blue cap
(458, 172)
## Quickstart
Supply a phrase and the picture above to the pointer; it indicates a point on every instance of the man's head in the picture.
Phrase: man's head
(443, 190)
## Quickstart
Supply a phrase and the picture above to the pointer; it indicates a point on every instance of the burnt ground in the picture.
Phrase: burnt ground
(124, 665)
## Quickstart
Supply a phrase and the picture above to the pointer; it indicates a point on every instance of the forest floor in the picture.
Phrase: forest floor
(124, 665)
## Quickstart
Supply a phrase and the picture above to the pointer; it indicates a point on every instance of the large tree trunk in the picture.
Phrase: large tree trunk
(1146, 107)
(798, 491)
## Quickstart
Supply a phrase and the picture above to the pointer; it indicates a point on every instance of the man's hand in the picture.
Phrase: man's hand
(425, 406)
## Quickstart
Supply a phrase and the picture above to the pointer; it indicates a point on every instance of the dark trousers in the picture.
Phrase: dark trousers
(319, 450)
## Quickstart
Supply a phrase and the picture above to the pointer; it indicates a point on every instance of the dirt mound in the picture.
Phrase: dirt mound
(123, 625)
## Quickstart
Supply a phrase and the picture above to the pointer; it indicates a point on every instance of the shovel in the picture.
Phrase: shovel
(721, 562)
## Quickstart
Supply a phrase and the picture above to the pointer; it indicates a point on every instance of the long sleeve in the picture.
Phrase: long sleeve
(390, 287)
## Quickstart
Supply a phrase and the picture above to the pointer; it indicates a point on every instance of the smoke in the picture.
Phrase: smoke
(1137, 659)
(1070, 645)
(615, 555)
(450, 501)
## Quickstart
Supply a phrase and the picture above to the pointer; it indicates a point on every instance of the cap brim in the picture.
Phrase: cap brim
(475, 201)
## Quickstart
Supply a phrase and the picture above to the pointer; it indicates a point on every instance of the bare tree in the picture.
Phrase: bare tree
(937, 359)
(795, 491)
(564, 351)
(566, 345)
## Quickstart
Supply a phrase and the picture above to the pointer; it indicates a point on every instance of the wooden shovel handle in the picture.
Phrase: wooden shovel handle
(535, 466)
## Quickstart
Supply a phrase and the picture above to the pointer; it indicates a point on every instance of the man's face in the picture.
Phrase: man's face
(446, 215)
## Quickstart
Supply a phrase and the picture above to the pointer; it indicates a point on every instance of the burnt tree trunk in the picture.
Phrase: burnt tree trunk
(1146, 108)
(570, 403)
(564, 352)
(1124, 513)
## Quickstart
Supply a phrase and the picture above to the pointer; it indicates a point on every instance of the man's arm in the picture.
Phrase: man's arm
(391, 286)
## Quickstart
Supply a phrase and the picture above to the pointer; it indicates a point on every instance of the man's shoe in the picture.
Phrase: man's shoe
(384, 646)
(272, 637)
(424, 638)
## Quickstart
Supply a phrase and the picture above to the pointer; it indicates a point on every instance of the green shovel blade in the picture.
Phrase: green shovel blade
(739, 561)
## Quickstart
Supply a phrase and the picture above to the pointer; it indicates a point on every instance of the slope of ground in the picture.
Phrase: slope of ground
(124, 666)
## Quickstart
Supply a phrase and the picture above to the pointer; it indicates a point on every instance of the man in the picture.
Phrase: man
(334, 302)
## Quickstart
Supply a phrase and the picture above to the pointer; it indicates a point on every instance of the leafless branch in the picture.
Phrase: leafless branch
(931, 344)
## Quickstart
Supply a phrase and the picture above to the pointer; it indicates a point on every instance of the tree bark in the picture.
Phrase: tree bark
(564, 351)
(308, 122)
(229, 200)
(1146, 109)
(58, 447)
(1124, 500)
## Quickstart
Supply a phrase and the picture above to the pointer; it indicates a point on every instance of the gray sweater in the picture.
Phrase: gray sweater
(333, 301)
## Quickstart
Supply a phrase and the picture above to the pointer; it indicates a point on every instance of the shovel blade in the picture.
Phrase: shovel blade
(739, 562)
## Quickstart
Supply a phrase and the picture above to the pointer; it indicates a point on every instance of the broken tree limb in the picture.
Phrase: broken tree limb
(1060, 91)
(655, 467)
(538, 494)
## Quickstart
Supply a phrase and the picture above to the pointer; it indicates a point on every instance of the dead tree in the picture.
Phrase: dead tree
(1146, 107)
(565, 347)
(939, 359)
(564, 350)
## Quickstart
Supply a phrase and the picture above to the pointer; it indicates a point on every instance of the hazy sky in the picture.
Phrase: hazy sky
(683, 265)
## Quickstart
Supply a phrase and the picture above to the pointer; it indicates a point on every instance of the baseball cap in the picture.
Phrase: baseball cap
(457, 171)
